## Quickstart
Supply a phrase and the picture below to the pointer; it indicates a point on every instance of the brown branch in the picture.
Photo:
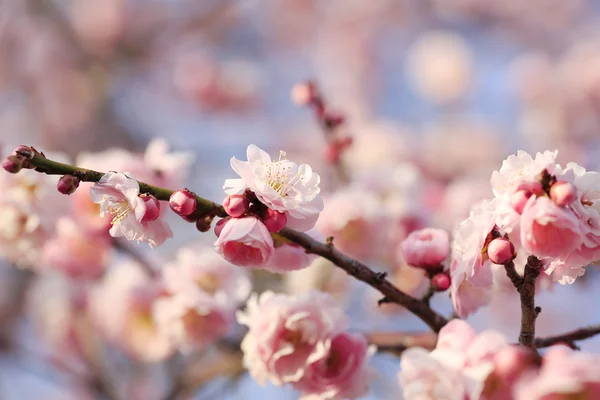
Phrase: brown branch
(526, 287)
(326, 250)
(397, 342)
(569, 338)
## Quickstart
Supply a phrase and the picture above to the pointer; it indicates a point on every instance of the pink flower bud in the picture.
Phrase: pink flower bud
(563, 193)
(501, 251)
(426, 248)
(152, 208)
(236, 205)
(220, 225)
(519, 199)
(67, 184)
(203, 224)
(441, 281)
(274, 220)
(511, 361)
(13, 164)
(302, 94)
(183, 202)
(332, 153)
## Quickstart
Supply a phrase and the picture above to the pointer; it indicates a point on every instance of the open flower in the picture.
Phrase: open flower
(521, 169)
(281, 185)
(287, 334)
(118, 196)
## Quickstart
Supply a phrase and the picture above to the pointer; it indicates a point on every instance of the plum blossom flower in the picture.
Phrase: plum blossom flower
(457, 369)
(565, 374)
(287, 334)
(521, 169)
(547, 230)
(281, 185)
(291, 257)
(342, 374)
(118, 196)
(426, 248)
(245, 242)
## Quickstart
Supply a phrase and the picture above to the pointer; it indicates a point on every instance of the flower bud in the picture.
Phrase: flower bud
(563, 193)
(332, 153)
(519, 199)
(303, 94)
(220, 225)
(183, 202)
(441, 281)
(203, 224)
(501, 251)
(511, 361)
(236, 205)
(152, 208)
(426, 248)
(67, 184)
(274, 220)
(13, 164)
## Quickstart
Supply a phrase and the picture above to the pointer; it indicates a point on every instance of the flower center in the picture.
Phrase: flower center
(279, 175)
(119, 210)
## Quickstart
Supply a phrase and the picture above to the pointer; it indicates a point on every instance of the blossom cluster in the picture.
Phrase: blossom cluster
(470, 366)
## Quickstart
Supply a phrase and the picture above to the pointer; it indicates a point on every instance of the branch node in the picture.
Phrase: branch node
(383, 300)
(329, 241)
(380, 276)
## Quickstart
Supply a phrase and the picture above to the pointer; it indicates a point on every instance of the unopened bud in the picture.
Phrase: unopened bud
(236, 205)
(303, 94)
(501, 251)
(220, 225)
(203, 224)
(563, 193)
(519, 199)
(441, 281)
(67, 184)
(13, 164)
(152, 208)
(274, 220)
(332, 154)
(183, 202)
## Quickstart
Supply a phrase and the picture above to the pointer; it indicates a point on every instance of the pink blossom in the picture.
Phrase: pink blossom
(521, 169)
(201, 272)
(118, 196)
(75, 252)
(121, 307)
(466, 297)
(289, 257)
(281, 185)
(342, 374)
(287, 334)
(245, 242)
(426, 248)
(548, 230)
(457, 368)
(564, 374)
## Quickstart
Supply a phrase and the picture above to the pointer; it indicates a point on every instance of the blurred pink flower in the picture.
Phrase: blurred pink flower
(245, 242)
(118, 196)
(287, 334)
(75, 252)
(426, 248)
(281, 185)
(342, 374)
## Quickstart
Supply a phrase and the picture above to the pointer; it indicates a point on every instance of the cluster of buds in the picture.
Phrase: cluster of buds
(306, 94)
(183, 203)
(561, 193)
(19, 159)
(247, 204)
(427, 249)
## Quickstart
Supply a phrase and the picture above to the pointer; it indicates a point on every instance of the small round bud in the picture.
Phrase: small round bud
(441, 282)
(563, 193)
(501, 251)
(13, 164)
(152, 208)
(519, 199)
(220, 225)
(183, 202)
(511, 361)
(67, 184)
(236, 205)
(302, 94)
(274, 220)
(426, 248)
(203, 224)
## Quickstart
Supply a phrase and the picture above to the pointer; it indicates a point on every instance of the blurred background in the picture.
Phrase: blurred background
(434, 94)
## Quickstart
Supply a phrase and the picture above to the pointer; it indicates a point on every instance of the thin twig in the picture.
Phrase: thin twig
(352, 266)
(569, 338)
(397, 342)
